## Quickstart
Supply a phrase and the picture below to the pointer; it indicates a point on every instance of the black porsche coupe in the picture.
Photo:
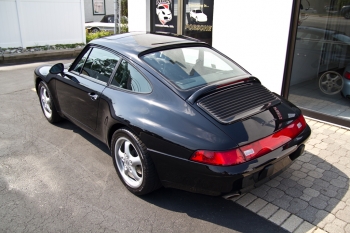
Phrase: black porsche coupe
(175, 112)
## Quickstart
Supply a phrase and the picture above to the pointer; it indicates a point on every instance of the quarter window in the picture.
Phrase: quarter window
(127, 77)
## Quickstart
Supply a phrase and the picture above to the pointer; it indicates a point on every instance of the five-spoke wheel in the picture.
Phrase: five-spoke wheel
(331, 83)
(134, 166)
(45, 101)
(47, 104)
(128, 162)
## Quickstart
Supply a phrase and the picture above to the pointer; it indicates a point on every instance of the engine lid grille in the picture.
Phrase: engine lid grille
(237, 102)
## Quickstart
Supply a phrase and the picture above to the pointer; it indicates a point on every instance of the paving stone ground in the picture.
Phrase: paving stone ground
(313, 194)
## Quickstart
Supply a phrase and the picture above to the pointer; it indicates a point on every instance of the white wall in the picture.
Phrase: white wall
(10, 32)
(139, 15)
(26, 23)
(255, 34)
(90, 17)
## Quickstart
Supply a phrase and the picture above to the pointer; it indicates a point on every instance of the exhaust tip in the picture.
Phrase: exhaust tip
(231, 195)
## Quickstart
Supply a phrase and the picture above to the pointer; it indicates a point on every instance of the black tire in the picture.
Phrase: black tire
(138, 179)
(94, 30)
(342, 94)
(46, 103)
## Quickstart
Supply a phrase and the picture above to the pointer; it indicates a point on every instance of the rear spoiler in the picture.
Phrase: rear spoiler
(221, 84)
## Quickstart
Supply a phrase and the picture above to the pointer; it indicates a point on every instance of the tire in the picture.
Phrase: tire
(95, 30)
(331, 83)
(47, 105)
(342, 94)
(134, 166)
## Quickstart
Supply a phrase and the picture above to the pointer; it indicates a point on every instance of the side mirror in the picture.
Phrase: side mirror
(57, 69)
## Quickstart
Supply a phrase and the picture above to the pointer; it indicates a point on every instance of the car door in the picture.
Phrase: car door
(80, 89)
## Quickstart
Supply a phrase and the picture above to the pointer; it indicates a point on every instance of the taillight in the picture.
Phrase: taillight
(253, 150)
(222, 158)
(347, 75)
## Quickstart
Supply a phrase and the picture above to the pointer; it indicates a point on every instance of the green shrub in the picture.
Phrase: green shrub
(124, 28)
(91, 36)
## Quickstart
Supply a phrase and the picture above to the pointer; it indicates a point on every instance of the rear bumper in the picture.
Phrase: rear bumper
(183, 174)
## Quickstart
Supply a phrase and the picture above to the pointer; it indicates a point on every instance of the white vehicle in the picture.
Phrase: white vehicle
(198, 16)
(164, 14)
(106, 24)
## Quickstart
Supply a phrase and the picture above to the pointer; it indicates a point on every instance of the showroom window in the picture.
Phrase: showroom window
(192, 18)
(320, 78)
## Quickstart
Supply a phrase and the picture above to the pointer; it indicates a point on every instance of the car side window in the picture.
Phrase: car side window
(80, 64)
(100, 64)
(127, 77)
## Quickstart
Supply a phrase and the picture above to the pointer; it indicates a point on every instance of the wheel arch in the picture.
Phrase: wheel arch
(92, 28)
(114, 128)
(37, 81)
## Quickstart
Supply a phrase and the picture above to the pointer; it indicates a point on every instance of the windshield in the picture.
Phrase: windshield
(193, 66)
(198, 11)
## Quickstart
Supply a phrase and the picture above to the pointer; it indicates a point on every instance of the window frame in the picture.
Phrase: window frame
(82, 54)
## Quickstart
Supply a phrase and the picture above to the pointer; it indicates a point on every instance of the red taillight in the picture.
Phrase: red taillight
(252, 150)
(223, 158)
(347, 75)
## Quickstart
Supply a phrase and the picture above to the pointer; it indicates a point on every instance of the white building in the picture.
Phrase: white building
(287, 50)
(26, 23)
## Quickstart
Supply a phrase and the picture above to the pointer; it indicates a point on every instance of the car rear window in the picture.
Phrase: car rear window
(190, 67)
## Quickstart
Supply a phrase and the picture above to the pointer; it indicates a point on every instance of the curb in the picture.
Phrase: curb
(39, 56)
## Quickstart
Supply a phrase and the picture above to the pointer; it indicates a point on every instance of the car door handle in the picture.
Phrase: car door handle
(93, 96)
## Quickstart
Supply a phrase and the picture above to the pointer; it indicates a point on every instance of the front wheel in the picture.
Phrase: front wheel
(134, 166)
(46, 103)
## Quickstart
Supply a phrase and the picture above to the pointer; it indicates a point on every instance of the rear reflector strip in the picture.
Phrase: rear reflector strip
(252, 150)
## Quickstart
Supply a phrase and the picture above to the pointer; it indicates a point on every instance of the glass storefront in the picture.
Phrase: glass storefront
(320, 80)
(196, 18)
(164, 14)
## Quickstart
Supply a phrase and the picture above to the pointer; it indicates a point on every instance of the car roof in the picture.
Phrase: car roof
(139, 43)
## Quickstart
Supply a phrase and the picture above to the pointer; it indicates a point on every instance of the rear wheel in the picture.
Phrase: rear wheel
(331, 83)
(46, 103)
(134, 166)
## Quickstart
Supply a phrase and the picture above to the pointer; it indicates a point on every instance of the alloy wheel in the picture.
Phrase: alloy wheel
(45, 102)
(331, 83)
(128, 162)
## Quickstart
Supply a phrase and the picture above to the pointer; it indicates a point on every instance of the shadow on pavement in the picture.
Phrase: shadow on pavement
(311, 188)
(211, 209)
